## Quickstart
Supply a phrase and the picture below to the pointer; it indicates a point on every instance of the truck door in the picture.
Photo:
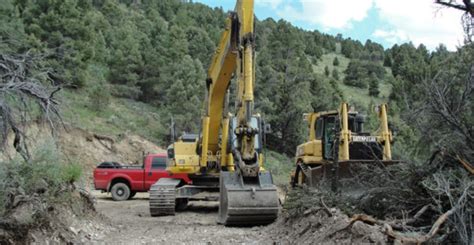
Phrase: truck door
(155, 171)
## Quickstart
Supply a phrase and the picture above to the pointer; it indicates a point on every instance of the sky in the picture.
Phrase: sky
(385, 21)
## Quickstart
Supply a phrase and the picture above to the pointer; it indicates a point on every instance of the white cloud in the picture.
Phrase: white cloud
(328, 14)
(419, 22)
(270, 3)
(392, 36)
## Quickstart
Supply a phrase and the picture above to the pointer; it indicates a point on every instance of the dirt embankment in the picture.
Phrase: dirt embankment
(88, 148)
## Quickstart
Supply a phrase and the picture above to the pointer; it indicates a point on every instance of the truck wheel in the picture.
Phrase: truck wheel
(132, 194)
(120, 192)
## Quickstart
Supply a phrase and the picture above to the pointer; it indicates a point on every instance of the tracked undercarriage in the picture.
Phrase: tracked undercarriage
(242, 201)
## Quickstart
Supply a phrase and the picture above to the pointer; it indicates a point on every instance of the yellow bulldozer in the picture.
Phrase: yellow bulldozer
(337, 143)
(226, 156)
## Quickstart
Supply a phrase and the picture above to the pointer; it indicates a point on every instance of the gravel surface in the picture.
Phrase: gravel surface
(132, 224)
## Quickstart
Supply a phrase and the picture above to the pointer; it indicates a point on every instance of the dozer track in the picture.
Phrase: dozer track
(249, 202)
(163, 197)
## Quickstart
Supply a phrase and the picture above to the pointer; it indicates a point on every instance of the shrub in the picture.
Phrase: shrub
(374, 87)
(359, 72)
(326, 71)
(46, 174)
(280, 167)
(99, 97)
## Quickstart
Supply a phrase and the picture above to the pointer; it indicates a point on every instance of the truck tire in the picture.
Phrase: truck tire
(120, 192)
(132, 194)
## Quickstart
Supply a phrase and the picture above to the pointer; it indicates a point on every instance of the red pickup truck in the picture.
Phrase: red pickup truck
(125, 181)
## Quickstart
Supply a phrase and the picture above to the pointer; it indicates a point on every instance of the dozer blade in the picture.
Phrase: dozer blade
(247, 202)
(343, 171)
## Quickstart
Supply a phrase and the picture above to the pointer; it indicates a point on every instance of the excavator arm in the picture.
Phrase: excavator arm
(247, 194)
(234, 57)
(229, 146)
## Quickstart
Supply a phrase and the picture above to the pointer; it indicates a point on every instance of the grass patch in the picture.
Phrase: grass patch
(327, 60)
(118, 117)
(280, 167)
(357, 97)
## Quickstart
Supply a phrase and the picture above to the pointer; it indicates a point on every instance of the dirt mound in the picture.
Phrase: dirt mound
(89, 148)
(35, 219)
(49, 215)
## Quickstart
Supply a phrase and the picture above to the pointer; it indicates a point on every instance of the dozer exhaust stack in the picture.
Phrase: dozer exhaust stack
(247, 201)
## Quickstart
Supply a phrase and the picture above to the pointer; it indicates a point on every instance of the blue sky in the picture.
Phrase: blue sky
(384, 21)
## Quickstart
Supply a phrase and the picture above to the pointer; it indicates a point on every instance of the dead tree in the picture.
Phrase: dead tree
(26, 92)
(467, 6)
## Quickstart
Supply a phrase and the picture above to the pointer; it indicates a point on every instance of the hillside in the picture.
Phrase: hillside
(149, 56)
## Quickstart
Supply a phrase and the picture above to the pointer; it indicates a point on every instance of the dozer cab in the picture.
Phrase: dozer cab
(337, 143)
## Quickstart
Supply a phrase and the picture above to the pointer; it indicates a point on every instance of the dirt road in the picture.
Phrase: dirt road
(132, 224)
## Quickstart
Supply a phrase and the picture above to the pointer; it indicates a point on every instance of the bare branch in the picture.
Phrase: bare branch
(24, 86)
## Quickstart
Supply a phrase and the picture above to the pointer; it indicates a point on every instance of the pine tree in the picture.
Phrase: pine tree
(326, 71)
(62, 26)
(335, 74)
(387, 61)
(335, 62)
(186, 93)
(374, 86)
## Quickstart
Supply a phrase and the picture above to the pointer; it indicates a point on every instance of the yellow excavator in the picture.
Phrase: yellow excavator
(225, 160)
(336, 143)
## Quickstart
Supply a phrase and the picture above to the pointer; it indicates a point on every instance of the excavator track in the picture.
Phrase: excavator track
(163, 197)
(247, 204)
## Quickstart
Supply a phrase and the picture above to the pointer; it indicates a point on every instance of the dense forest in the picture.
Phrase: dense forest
(157, 52)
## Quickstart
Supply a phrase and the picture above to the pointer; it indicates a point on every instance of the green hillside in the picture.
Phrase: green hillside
(132, 65)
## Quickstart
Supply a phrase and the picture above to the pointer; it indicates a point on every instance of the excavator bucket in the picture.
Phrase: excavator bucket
(247, 202)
